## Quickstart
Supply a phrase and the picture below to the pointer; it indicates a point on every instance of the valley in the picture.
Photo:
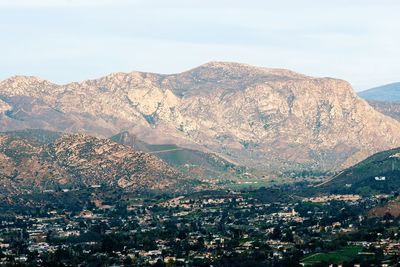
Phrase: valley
(226, 164)
(212, 133)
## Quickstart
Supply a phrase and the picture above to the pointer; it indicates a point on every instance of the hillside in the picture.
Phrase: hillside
(385, 93)
(391, 109)
(75, 161)
(266, 119)
(379, 173)
(385, 99)
(35, 135)
(392, 207)
(195, 163)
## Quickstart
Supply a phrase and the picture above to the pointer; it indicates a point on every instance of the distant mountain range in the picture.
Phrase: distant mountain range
(269, 120)
(385, 93)
(385, 99)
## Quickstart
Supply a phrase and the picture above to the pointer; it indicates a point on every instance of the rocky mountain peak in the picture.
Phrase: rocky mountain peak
(259, 116)
(234, 69)
(31, 85)
(20, 80)
(227, 77)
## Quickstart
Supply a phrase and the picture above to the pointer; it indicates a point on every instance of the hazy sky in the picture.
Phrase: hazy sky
(68, 40)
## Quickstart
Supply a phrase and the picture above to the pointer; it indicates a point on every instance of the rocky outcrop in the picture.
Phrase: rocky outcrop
(270, 119)
(75, 161)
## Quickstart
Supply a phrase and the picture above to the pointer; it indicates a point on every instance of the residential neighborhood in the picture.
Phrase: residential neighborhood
(204, 229)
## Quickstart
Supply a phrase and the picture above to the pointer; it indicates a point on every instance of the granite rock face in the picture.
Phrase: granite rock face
(270, 119)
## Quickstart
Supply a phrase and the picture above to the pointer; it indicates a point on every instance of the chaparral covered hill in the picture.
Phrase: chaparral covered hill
(38, 162)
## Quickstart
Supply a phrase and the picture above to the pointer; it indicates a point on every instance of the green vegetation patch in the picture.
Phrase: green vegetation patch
(339, 256)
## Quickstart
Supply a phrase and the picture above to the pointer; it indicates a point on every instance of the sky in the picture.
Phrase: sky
(74, 40)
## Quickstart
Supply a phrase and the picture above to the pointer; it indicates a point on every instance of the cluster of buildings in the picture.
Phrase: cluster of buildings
(188, 230)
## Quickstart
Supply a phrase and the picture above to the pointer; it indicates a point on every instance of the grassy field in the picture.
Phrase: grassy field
(249, 184)
(338, 256)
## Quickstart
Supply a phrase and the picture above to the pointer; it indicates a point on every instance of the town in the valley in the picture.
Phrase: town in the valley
(253, 227)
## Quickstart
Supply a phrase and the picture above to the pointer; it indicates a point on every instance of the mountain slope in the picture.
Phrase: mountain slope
(385, 93)
(195, 163)
(73, 161)
(391, 109)
(379, 173)
(35, 135)
(270, 119)
(385, 99)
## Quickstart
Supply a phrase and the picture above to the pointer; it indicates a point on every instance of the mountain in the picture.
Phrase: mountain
(385, 99)
(391, 109)
(267, 119)
(195, 163)
(31, 164)
(385, 93)
(379, 173)
(35, 135)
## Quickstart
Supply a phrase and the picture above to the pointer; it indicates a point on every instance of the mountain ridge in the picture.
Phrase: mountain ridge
(268, 118)
(378, 173)
(76, 160)
(385, 93)
(211, 64)
(385, 99)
